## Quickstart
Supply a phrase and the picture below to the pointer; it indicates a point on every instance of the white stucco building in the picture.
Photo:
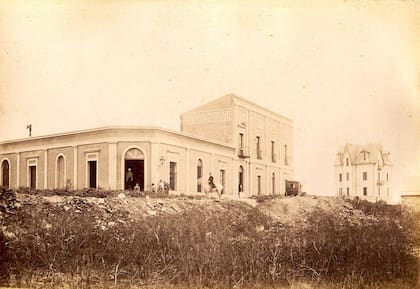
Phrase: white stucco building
(244, 146)
(410, 194)
(363, 171)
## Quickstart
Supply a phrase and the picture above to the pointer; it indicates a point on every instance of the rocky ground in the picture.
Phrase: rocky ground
(123, 206)
(49, 225)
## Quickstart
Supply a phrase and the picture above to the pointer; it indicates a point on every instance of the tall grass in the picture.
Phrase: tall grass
(202, 247)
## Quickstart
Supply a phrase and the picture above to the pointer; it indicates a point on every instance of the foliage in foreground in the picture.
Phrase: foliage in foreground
(237, 245)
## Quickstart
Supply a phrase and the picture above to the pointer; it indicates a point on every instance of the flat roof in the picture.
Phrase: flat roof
(122, 128)
(234, 100)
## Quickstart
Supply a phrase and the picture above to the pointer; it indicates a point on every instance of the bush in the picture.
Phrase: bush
(230, 245)
(372, 248)
(5, 260)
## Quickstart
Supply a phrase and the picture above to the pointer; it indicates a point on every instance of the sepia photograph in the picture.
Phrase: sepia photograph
(151, 144)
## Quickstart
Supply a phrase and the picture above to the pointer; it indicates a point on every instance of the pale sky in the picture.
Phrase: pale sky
(343, 71)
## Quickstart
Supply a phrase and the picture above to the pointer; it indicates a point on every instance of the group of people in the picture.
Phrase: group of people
(129, 179)
(162, 186)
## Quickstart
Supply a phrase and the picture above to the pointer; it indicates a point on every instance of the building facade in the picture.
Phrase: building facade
(246, 148)
(410, 194)
(262, 140)
(364, 172)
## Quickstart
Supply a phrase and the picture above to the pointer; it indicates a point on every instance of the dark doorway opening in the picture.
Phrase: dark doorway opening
(92, 174)
(199, 174)
(137, 168)
(32, 177)
(241, 179)
(5, 173)
(60, 172)
(273, 184)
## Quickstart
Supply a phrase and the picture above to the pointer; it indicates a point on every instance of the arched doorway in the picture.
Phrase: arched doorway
(134, 169)
(241, 180)
(199, 174)
(60, 173)
(5, 169)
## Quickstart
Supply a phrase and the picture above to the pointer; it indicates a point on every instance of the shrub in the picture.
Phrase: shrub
(4, 260)
(229, 245)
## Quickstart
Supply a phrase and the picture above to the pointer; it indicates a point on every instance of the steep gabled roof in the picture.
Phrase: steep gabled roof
(352, 150)
(374, 151)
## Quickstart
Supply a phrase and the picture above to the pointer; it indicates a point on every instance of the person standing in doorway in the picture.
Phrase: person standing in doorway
(211, 183)
(129, 179)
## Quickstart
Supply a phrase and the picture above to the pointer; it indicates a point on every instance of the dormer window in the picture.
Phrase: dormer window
(347, 162)
(365, 155)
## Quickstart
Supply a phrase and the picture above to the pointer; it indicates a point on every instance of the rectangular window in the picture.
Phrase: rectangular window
(340, 191)
(222, 177)
(365, 176)
(340, 177)
(241, 140)
(259, 185)
(92, 174)
(273, 152)
(259, 152)
(365, 191)
(379, 176)
(347, 176)
(387, 179)
(348, 192)
(285, 156)
(172, 176)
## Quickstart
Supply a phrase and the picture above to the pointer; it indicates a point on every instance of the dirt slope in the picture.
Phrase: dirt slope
(121, 207)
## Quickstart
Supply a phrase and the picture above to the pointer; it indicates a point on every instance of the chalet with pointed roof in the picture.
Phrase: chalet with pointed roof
(364, 171)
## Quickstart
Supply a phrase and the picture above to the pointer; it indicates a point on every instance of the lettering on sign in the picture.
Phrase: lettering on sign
(210, 116)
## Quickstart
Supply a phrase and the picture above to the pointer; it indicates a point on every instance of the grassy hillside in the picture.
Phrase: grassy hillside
(51, 239)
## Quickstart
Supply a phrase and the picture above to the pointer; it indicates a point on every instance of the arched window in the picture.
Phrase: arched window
(199, 174)
(60, 172)
(5, 173)
(273, 183)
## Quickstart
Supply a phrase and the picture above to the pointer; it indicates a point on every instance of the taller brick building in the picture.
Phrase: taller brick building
(263, 140)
